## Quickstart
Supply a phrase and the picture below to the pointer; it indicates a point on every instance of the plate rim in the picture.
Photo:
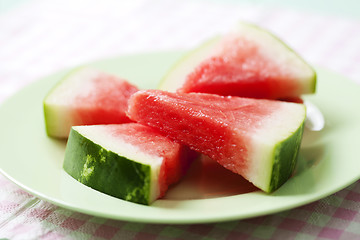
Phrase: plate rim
(149, 219)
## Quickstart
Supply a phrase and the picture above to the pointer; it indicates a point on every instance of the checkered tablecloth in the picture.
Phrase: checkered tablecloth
(40, 37)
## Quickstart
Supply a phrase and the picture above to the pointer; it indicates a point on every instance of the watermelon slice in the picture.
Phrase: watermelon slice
(256, 138)
(247, 62)
(86, 97)
(128, 161)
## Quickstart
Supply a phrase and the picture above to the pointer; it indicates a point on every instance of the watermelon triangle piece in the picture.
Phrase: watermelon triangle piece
(128, 161)
(256, 138)
(86, 96)
(248, 61)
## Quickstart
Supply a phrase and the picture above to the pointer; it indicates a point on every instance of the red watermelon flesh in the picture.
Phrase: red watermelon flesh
(248, 62)
(86, 97)
(242, 69)
(176, 158)
(129, 161)
(258, 139)
(104, 101)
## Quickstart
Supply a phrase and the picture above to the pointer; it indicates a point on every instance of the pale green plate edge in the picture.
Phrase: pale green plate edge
(34, 162)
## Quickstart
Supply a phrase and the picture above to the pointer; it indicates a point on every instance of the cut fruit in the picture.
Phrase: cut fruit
(256, 138)
(86, 97)
(128, 161)
(247, 62)
(208, 179)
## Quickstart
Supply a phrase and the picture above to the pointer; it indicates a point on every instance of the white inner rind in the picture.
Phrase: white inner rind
(59, 120)
(269, 46)
(286, 59)
(103, 136)
(73, 85)
(274, 129)
(177, 75)
(58, 104)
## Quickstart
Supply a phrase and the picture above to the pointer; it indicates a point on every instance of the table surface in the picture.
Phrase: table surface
(40, 37)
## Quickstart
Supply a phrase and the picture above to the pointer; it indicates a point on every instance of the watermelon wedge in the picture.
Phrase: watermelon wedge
(86, 96)
(256, 138)
(128, 161)
(248, 62)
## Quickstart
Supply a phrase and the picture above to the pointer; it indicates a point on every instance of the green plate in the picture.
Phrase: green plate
(328, 161)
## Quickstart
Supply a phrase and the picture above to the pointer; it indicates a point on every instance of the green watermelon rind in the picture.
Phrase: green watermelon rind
(204, 51)
(285, 158)
(106, 171)
(51, 112)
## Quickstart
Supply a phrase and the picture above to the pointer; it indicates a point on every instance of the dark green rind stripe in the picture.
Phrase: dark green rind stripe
(285, 158)
(106, 171)
(314, 80)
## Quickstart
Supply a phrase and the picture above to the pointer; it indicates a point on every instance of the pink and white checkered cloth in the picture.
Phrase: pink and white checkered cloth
(41, 37)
